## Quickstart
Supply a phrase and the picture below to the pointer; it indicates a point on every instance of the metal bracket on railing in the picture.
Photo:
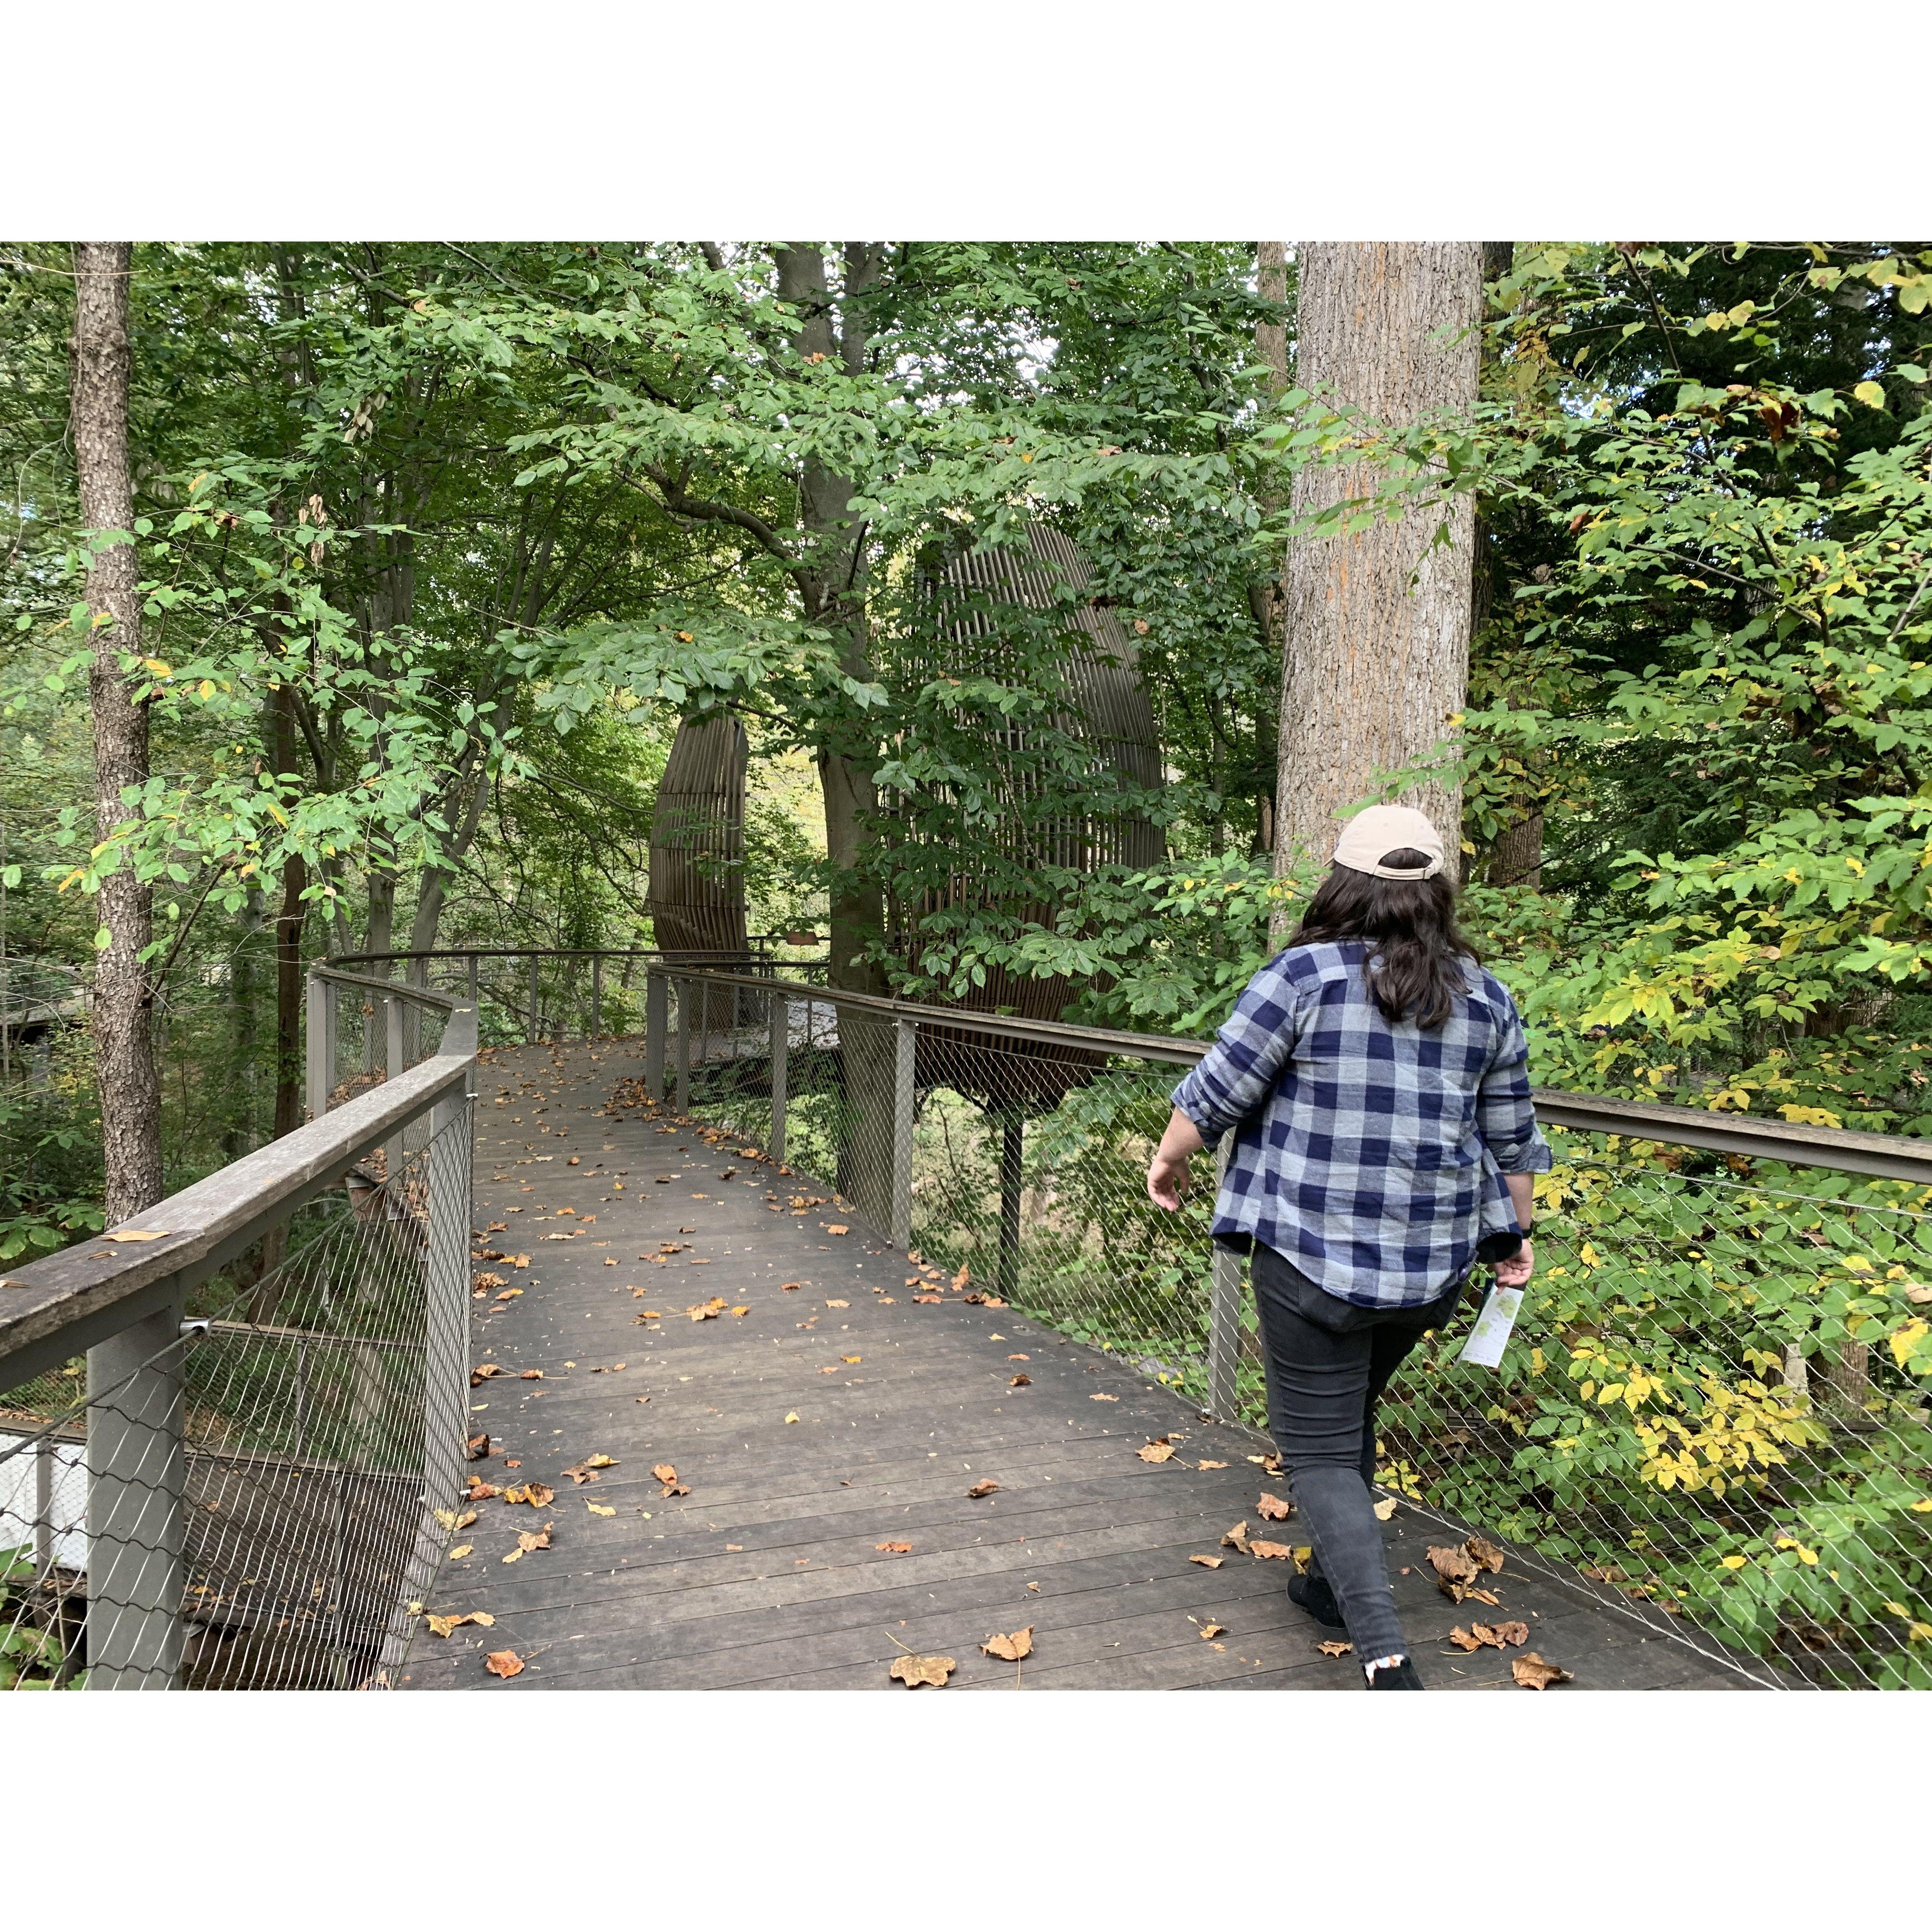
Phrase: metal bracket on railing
(196, 1325)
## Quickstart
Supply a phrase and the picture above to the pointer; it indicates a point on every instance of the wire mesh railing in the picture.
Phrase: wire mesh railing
(252, 1481)
(1712, 1413)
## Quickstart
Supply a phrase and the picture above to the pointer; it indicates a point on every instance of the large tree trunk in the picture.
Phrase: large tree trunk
(1267, 595)
(833, 590)
(123, 1051)
(1377, 655)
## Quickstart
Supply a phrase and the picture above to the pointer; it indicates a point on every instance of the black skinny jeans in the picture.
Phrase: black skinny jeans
(1326, 1362)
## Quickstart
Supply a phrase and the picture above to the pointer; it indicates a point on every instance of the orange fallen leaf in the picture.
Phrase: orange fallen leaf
(479, 1491)
(531, 1375)
(1258, 1548)
(1503, 1637)
(1019, 1358)
(838, 1304)
(1464, 1639)
(1452, 1565)
(960, 1280)
(483, 1372)
(1160, 1450)
(788, 1286)
(895, 1549)
(984, 1487)
(503, 1664)
(1208, 1562)
(1272, 1509)
(929, 1298)
(1236, 1538)
(1012, 1648)
(1334, 1648)
(138, 1234)
(1020, 1382)
(1484, 1554)
(535, 1494)
(836, 1227)
(1211, 1631)
(1533, 1673)
(1210, 1466)
(1103, 1398)
(746, 1310)
(442, 1626)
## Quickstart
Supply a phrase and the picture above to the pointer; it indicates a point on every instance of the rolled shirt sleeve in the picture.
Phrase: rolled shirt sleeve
(1505, 1116)
(1238, 1072)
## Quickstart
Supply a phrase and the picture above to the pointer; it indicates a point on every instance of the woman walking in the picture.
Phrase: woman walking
(1375, 1079)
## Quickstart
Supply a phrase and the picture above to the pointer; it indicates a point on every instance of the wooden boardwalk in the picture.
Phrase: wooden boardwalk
(835, 1418)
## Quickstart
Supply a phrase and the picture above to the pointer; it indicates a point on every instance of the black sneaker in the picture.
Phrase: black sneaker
(1397, 1677)
(1315, 1596)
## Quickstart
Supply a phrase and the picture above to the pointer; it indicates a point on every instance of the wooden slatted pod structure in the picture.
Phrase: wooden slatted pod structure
(696, 895)
(1110, 711)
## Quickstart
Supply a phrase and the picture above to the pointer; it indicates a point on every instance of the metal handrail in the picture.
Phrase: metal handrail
(1840, 1149)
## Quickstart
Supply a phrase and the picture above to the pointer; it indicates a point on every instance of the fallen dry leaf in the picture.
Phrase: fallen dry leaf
(746, 1310)
(838, 1304)
(792, 1416)
(476, 1448)
(1333, 1648)
(1209, 1631)
(138, 1234)
(895, 1549)
(535, 1494)
(929, 1298)
(1258, 1548)
(483, 1372)
(707, 1311)
(531, 1375)
(1453, 1565)
(837, 1227)
(1021, 1381)
(960, 1280)
(1210, 1466)
(788, 1286)
(1503, 1637)
(503, 1664)
(462, 1549)
(1464, 1639)
(464, 1520)
(1272, 1509)
(1484, 1554)
(1533, 1674)
(1385, 1508)
(1103, 1398)
(1208, 1562)
(480, 1491)
(600, 1509)
(984, 1487)
(913, 1671)
(1012, 1648)
(1160, 1450)
(1236, 1538)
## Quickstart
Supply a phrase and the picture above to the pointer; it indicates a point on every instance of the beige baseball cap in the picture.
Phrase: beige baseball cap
(1389, 828)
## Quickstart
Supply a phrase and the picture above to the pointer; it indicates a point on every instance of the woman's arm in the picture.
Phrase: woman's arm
(1167, 1172)
(1515, 1273)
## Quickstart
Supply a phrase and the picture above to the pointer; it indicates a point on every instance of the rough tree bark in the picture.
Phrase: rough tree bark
(1267, 595)
(833, 591)
(131, 1096)
(1377, 653)
(288, 918)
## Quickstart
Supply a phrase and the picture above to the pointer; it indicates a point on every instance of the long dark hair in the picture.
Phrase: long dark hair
(1410, 926)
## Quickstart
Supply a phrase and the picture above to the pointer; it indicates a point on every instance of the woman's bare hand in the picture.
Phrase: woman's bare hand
(1515, 1272)
(1167, 1180)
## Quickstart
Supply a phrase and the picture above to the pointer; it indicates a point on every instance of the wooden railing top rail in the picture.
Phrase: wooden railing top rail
(52, 1310)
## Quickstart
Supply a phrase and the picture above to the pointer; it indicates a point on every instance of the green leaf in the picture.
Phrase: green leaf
(1871, 393)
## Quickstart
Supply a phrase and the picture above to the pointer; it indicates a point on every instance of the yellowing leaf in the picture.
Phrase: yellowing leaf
(1870, 394)
(600, 1509)
(1010, 1649)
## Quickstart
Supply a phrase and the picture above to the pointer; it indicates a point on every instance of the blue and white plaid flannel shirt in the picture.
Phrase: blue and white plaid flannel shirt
(1371, 1155)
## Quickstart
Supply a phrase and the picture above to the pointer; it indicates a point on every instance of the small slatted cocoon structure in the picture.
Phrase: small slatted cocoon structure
(696, 890)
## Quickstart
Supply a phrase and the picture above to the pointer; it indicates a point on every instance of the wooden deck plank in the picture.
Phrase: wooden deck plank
(768, 1572)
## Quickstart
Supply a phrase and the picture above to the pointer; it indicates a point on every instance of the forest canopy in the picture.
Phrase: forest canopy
(436, 546)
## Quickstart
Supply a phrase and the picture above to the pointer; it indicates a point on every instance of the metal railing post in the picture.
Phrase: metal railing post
(597, 997)
(316, 1044)
(1224, 1315)
(471, 979)
(683, 1046)
(43, 1507)
(656, 998)
(904, 1072)
(536, 965)
(1012, 1181)
(780, 1059)
(136, 1507)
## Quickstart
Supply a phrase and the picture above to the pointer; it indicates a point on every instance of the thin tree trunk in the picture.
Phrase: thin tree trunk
(124, 1048)
(1377, 655)
(834, 596)
(1267, 596)
(288, 946)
